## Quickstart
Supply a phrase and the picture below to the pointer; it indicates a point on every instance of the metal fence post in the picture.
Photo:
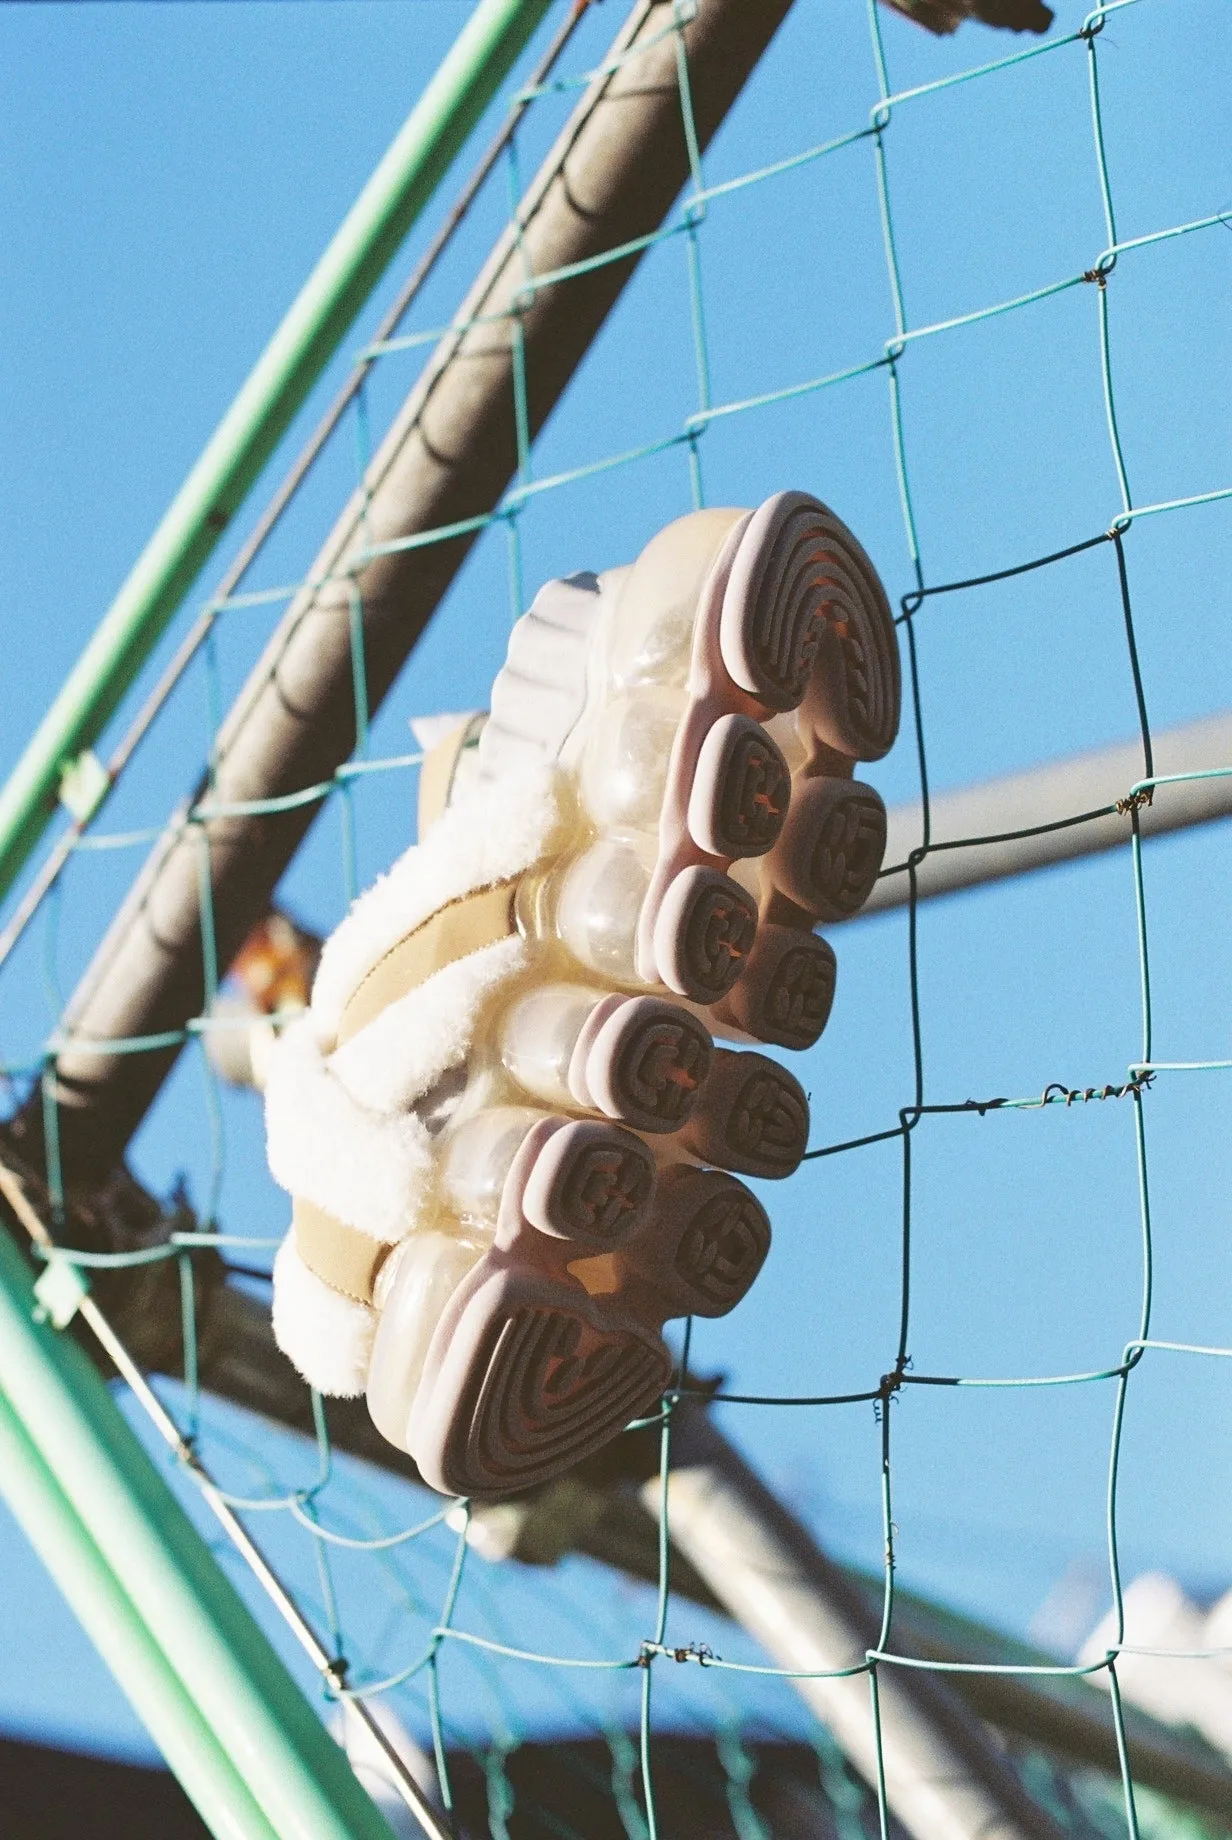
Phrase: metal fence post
(247, 1744)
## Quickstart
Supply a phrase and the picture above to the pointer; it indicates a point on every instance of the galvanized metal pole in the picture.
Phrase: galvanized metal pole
(944, 1779)
(89, 1494)
(604, 187)
(389, 204)
(1020, 822)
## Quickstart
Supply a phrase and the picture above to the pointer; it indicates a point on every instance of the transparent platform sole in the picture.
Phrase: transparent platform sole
(707, 707)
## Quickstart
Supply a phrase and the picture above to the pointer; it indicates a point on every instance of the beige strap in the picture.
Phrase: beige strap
(452, 932)
(341, 1256)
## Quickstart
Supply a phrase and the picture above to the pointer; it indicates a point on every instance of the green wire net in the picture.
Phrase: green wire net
(409, 1610)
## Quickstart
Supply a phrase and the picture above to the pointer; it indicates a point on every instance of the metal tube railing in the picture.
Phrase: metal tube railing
(1058, 811)
(166, 1617)
(134, 1656)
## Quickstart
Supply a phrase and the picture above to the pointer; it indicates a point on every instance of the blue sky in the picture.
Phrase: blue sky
(171, 173)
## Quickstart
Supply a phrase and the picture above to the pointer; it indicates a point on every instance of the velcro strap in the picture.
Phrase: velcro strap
(342, 1257)
(452, 932)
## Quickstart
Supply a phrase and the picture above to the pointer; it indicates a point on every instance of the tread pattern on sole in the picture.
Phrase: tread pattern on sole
(787, 991)
(548, 1389)
(649, 1073)
(589, 1182)
(741, 789)
(753, 1118)
(722, 1252)
(703, 933)
(790, 617)
(804, 612)
(831, 849)
(773, 614)
(712, 1237)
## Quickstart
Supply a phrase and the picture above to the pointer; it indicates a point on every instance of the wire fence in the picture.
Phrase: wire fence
(442, 1634)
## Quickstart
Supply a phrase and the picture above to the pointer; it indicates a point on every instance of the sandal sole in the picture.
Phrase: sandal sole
(753, 1118)
(642, 1062)
(711, 1237)
(792, 617)
(582, 1180)
(831, 848)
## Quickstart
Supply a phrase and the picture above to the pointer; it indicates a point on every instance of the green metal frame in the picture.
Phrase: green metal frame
(109, 1619)
(214, 490)
(229, 1717)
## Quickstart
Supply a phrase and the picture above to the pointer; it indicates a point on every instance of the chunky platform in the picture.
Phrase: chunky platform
(514, 1145)
(542, 1356)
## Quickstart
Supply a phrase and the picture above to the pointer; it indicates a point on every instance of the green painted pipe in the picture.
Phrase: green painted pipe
(259, 1719)
(134, 1657)
(389, 204)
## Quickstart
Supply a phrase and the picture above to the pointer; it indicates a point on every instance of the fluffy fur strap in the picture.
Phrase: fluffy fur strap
(326, 1336)
(487, 837)
(341, 1129)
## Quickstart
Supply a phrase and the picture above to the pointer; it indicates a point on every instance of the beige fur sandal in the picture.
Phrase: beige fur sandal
(503, 1116)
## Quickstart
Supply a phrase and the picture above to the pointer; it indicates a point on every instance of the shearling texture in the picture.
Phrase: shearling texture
(402, 1052)
(370, 1169)
(340, 1131)
(326, 1337)
(489, 835)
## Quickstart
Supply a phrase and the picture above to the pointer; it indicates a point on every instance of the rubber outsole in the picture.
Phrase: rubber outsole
(541, 1357)
(704, 932)
(552, 1340)
(711, 1240)
(830, 851)
(804, 610)
(642, 1061)
(787, 991)
(791, 618)
(740, 792)
(753, 1118)
(586, 1181)
(538, 1383)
